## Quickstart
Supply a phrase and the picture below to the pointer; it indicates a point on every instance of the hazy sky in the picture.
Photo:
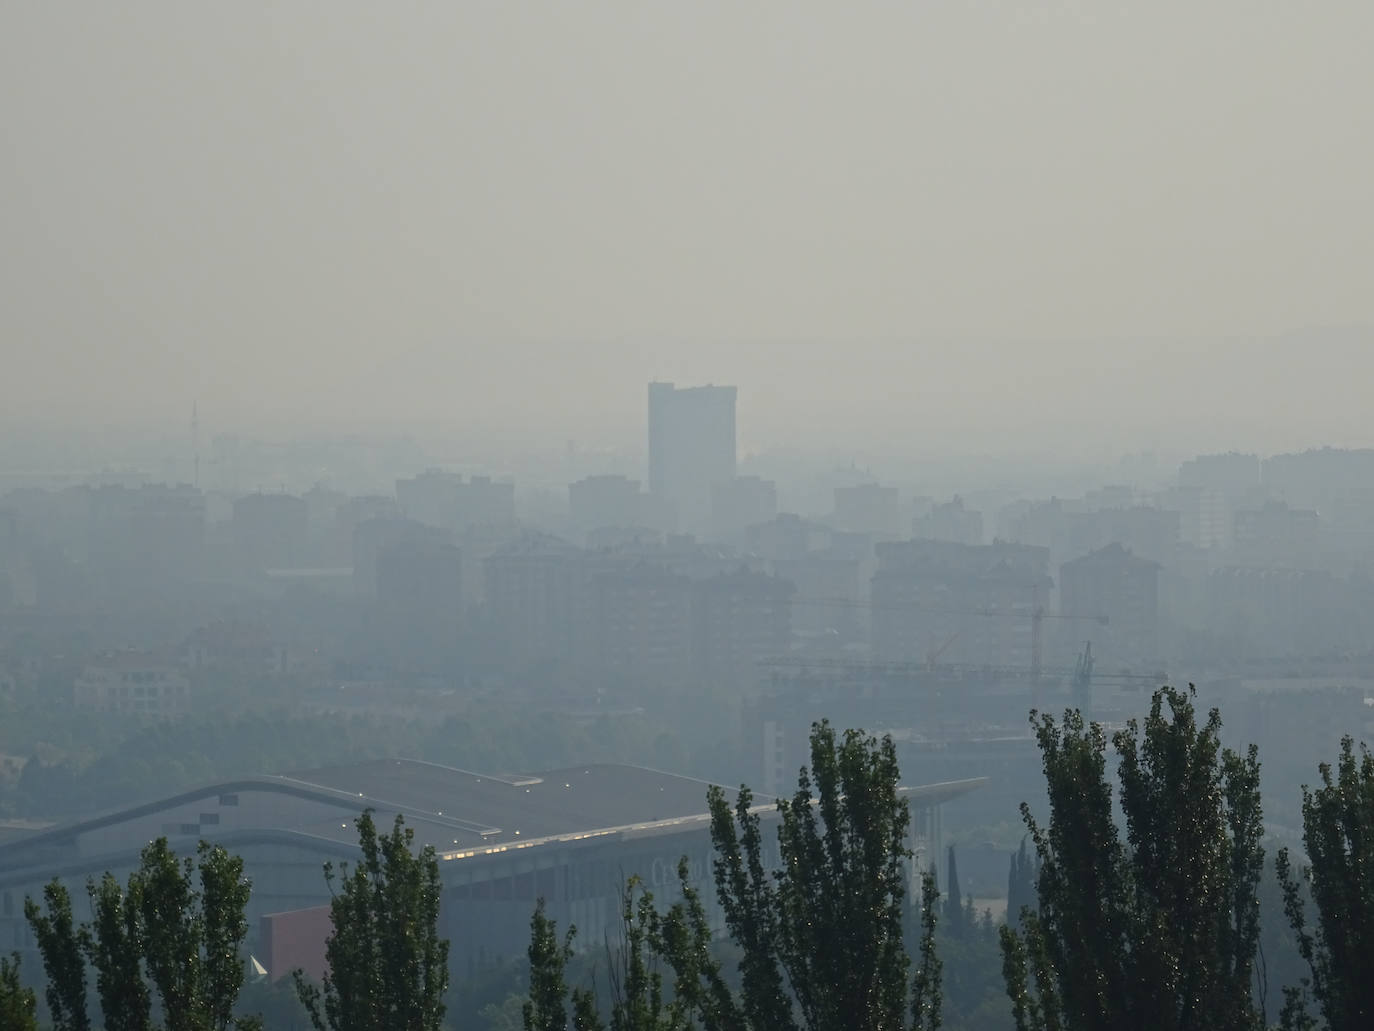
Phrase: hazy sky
(482, 213)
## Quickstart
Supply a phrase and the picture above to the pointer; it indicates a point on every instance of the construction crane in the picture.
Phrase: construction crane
(802, 662)
(1083, 682)
(1081, 677)
(1037, 615)
(933, 655)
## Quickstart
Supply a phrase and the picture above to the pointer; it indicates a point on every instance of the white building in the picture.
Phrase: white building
(130, 681)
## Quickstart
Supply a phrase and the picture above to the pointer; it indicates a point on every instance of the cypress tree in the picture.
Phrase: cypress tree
(954, 901)
(1020, 884)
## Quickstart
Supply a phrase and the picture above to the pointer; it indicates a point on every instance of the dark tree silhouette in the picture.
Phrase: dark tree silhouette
(388, 967)
(18, 1005)
(926, 988)
(828, 923)
(638, 1002)
(820, 939)
(64, 957)
(1338, 833)
(176, 931)
(954, 899)
(1021, 884)
(1158, 930)
(546, 1009)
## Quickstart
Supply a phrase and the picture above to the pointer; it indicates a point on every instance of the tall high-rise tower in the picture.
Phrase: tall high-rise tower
(195, 444)
(691, 447)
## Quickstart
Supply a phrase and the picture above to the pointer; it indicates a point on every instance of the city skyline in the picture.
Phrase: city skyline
(1183, 425)
(525, 420)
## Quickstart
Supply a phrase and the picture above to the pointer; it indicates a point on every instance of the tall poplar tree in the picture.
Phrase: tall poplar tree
(175, 934)
(927, 992)
(819, 938)
(827, 924)
(546, 1009)
(388, 966)
(1158, 929)
(636, 985)
(18, 1005)
(1338, 834)
(61, 945)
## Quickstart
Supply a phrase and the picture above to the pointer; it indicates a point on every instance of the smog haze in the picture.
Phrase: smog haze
(994, 218)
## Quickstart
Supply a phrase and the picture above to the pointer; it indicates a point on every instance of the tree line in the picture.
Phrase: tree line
(165, 949)
(1136, 905)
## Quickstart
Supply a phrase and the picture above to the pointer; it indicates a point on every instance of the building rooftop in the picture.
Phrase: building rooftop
(545, 804)
(130, 660)
(459, 812)
(456, 811)
(536, 545)
(1114, 554)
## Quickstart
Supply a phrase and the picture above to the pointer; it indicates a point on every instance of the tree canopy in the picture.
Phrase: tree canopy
(173, 935)
(1157, 928)
(388, 966)
(18, 1006)
(819, 937)
(1338, 833)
